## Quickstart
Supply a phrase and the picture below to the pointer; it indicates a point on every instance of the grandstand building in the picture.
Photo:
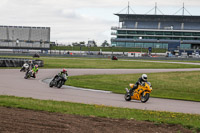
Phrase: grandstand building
(157, 31)
(23, 37)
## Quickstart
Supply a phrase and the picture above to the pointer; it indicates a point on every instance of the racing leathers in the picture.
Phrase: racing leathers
(34, 71)
(31, 65)
(139, 82)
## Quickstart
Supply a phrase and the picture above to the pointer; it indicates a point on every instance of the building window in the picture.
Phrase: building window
(130, 44)
(140, 32)
(187, 33)
(131, 32)
(158, 45)
(167, 33)
(185, 46)
(159, 33)
(196, 34)
(178, 33)
(121, 37)
(139, 45)
(121, 32)
(146, 45)
(149, 33)
(165, 45)
(121, 44)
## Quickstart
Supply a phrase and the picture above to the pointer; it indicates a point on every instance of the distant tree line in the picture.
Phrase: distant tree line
(84, 44)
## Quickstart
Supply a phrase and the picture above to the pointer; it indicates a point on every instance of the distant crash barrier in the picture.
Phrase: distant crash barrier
(15, 62)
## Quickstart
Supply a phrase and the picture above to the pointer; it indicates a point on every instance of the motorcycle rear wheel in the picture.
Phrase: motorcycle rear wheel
(127, 97)
(145, 98)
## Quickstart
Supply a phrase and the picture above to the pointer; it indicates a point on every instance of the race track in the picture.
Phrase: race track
(12, 82)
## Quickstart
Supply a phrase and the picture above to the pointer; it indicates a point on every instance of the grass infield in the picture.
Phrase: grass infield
(173, 85)
(158, 117)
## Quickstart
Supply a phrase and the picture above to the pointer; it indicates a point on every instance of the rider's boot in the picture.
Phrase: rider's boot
(33, 75)
(130, 93)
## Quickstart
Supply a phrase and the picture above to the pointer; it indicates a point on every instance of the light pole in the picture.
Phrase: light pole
(88, 46)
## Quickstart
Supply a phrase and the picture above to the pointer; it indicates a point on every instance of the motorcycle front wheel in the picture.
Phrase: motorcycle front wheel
(60, 83)
(51, 83)
(26, 76)
(145, 98)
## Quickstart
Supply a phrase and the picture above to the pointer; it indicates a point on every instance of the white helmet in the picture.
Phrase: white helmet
(26, 65)
(144, 77)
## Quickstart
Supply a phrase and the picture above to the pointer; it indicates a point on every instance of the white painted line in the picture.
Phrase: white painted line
(76, 88)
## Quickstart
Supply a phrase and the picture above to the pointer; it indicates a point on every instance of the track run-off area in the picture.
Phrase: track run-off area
(12, 83)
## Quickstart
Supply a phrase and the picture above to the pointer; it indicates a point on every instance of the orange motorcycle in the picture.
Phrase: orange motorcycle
(142, 93)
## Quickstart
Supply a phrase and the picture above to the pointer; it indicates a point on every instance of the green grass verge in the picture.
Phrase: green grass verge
(109, 64)
(173, 85)
(50, 62)
(187, 120)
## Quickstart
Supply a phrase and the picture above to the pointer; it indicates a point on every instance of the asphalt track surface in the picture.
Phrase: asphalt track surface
(12, 82)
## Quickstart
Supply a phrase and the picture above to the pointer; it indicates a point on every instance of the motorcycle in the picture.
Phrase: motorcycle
(57, 82)
(142, 93)
(24, 68)
(114, 58)
(28, 74)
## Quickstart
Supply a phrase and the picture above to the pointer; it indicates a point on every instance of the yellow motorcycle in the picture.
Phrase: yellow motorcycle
(142, 93)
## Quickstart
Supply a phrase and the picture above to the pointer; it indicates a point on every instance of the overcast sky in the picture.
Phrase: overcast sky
(82, 20)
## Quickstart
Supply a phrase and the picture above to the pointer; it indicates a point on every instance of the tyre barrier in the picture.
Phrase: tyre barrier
(15, 62)
(40, 63)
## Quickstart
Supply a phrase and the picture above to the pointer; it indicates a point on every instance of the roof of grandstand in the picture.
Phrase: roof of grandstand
(24, 27)
(149, 17)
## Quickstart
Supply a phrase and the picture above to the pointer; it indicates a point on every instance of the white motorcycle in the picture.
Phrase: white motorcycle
(24, 67)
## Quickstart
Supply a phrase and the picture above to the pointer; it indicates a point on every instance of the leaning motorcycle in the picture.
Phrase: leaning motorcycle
(28, 74)
(57, 82)
(24, 68)
(142, 93)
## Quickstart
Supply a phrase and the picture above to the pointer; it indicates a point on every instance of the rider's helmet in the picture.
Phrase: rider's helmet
(64, 70)
(144, 77)
(30, 61)
(26, 65)
(36, 66)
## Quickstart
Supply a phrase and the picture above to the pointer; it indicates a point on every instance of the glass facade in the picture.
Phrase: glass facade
(167, 35)
(157, 31)
(156, 36)
(147, 45)
(141, 45)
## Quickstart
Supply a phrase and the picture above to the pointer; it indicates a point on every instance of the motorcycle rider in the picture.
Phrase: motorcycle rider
(140, 81)
(63, 74)
(34, 71)
(30, 63)
(24, 67)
